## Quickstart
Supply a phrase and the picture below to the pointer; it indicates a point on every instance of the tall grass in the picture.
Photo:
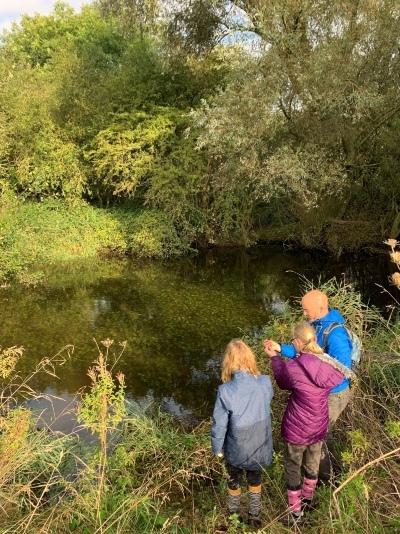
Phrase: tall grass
(146, 473)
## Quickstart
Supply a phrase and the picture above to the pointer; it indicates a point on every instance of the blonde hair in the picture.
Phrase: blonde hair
(306, 333)
(238, 357)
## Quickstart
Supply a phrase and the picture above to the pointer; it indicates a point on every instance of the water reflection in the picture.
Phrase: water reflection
(176, 317)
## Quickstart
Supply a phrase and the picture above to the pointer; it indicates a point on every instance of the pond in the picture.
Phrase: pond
(176, 318)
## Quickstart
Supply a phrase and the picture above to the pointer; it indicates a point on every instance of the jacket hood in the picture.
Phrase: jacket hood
(336, 364)
(320, 370)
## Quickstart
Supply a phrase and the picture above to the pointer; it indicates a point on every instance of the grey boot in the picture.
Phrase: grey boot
(254, 502)
(254, 499)
(233, 503)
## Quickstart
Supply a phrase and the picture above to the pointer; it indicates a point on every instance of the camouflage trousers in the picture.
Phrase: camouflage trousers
(298, 456)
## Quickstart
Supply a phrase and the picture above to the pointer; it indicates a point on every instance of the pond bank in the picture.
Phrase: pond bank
(158, 476)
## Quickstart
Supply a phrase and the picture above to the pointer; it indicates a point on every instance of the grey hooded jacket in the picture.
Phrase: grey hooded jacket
(242, 421)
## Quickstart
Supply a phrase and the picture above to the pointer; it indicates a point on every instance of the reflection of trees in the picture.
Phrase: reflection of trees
(177, 318)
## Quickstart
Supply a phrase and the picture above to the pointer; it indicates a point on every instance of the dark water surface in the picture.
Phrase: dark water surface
(176, 318)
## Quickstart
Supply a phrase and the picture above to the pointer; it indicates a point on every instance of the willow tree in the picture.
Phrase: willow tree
(304, 129)
(139, 16)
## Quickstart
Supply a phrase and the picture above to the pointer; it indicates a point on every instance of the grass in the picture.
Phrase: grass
(150, 474)
(53, 231)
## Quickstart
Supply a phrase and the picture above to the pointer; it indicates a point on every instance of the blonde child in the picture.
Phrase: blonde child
(242, 426)
(309, 376)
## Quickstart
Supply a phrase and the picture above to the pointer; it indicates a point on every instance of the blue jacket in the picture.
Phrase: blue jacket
(242, 421)
(339, 344)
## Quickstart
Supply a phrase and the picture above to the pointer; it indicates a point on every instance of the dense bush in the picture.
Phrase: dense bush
(37, 233)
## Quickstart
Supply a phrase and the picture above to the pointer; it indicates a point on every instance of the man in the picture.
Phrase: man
(339, 346)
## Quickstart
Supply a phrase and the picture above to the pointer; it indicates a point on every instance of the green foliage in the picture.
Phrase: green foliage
(89, 111)
(135, 17)
(291, 124)
(359, 444)
(352, 499)
(385, 379)
(150, 233)
(34, 234)
(37, 39)
(145, 155)
(196, 26)
(38, 160)
(33, 460)
(393, 428)
(124, 155)
(8, 360)
(52, 171)
(51, 64)
(41, 233)
(103, 408)
(94, 105)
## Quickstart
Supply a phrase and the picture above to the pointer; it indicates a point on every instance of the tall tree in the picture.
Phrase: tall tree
(137, 16)
(314, 94)
(53, 99)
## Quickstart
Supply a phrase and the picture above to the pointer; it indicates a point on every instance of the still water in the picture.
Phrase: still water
(176, 318)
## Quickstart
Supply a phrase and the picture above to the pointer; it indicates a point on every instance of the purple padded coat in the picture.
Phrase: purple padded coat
(310, 380)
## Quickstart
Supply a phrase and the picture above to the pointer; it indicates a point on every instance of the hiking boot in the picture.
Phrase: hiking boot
(308, 505)
(291, 519)
(254, 521)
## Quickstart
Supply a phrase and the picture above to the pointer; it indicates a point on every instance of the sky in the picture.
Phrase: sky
(11, 10)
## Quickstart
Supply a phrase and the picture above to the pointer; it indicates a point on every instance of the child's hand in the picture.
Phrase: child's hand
(271, 347)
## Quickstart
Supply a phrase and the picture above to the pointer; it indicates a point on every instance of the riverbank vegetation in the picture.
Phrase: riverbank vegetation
(211, 123)
(33, 235)
(147, 473)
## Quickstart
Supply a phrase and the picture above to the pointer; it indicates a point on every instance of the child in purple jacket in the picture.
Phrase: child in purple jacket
(310, 377)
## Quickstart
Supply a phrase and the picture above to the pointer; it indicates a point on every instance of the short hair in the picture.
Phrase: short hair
(306, 333)
(238, 357)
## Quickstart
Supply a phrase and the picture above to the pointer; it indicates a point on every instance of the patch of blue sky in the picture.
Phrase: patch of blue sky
(240, 30)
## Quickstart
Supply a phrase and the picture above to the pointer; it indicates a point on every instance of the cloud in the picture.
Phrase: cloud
(12, 10)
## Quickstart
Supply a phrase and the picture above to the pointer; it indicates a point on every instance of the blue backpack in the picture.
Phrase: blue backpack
(356, 351)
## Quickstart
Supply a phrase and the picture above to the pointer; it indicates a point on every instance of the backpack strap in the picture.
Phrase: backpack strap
(328, 331)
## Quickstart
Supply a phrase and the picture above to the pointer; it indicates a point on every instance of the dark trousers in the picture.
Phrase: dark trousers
(236, 477)
(329, 464)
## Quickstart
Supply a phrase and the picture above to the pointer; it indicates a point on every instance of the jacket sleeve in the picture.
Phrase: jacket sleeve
(288, 351)
(339, 345)
(282, 377)
(220, 425)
